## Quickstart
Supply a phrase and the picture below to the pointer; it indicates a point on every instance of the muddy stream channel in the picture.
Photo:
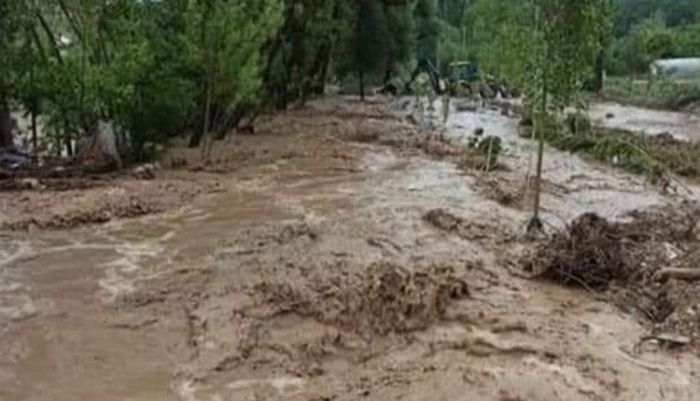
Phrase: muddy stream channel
(285, 287)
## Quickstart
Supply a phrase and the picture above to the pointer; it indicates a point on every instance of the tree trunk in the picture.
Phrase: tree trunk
(231, 120)
(205, 130)
(538, 175)
(536, 222)
(321, 83)
(52, 38)
(362, 86)
(35, 139)
(6, 141)
(387, 75)
(599, 71)
(195, 139)
(67, 143)
(318, 69)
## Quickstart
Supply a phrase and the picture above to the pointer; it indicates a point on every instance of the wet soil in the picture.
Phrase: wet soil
(327, 268)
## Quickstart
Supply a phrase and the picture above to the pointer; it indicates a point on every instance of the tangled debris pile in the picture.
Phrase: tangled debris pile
(385, 298)
(592, 253)
(647, 264)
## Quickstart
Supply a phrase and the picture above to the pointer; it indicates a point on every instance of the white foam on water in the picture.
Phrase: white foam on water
(114, 285)
(15, 303)
(130, 260)
(16, 306)
(284, 385)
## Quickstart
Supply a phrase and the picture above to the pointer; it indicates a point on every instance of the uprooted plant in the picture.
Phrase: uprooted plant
(593, 252)
(638, 263)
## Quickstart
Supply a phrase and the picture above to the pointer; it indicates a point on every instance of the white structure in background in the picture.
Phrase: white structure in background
(676, 68)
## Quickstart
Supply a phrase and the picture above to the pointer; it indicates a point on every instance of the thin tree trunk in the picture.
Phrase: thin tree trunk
(35, 138)
(362, 86)
(536, 223)
(52, 38)
(599, 71)
(195, 139)
(538, 175)
(205, 128)
(66, 140)
(318, 69)
(321, 84)
(71, 21)
(6, 141)
(232, 120)
(216, 127)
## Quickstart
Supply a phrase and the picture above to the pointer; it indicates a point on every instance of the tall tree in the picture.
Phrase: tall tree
(401, 28)
(427, 32)
(299, 57)
(566, 37)
(369, 41)
(12, 16)
(605, 15)
(226, 38)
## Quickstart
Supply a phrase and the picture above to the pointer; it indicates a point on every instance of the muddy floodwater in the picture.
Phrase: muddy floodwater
(314, 275)
(683, 126)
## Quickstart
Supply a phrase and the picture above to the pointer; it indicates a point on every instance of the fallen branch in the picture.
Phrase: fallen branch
(678, 274)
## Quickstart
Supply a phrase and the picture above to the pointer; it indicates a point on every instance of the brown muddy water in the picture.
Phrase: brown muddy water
(308, 282)
(683, 126)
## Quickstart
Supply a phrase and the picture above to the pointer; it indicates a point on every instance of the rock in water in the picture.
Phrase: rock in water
(145, 172)
(107, 141)
(101, 147)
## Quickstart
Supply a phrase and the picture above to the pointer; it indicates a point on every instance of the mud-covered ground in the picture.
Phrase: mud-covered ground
(339, 254)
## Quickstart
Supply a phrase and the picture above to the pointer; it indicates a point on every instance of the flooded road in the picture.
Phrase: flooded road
(280, 288)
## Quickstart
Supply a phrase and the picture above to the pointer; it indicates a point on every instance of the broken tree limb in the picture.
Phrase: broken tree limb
(678, 274)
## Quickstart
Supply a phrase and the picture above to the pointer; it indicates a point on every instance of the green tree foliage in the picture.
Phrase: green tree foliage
(566, 39)
(647, 41)
(401, 27)
(14, 44)
(299, 57)
(224, 42)
(688, 40)
(148, 66)
(369, 44)
(427, 30)
(495, 32)
(452, 11)
(158, 68)
(675, 13)
(646, 30)
(547, 48)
